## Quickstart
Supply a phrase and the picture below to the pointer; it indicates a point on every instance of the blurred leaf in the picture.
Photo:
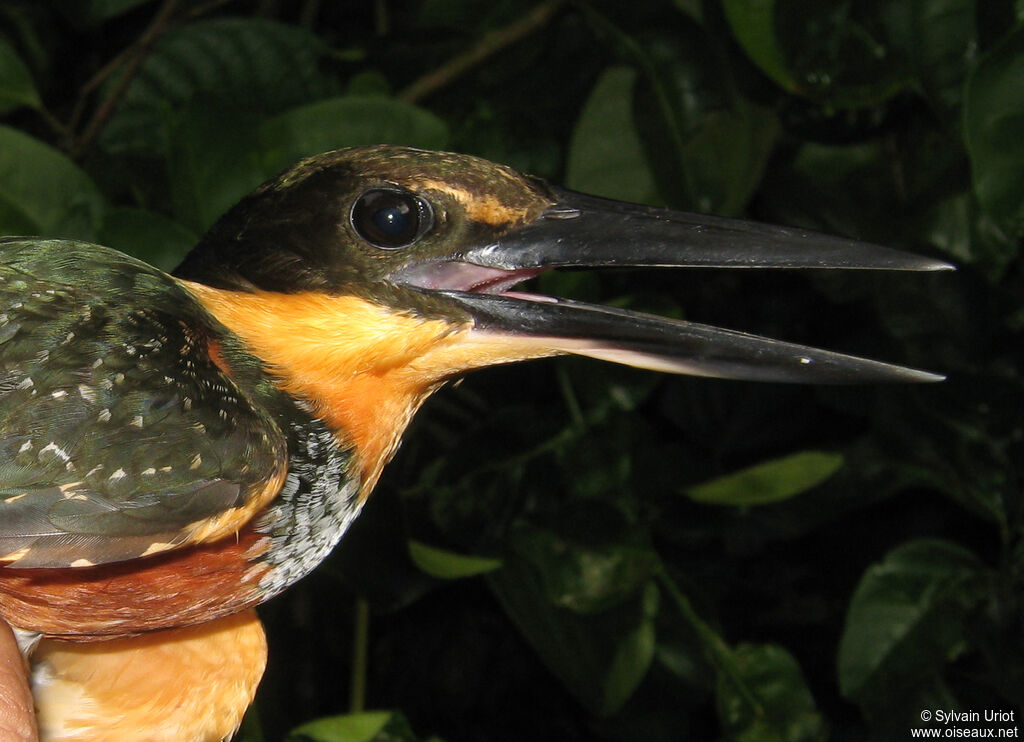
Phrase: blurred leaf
(605, 156)
(214, 161)
(252, 65)
(634, 655)
(152, 237)
(580, 578)
(937, 37)
(370, 82)
(707, 147)
(14, 221)
(993, 120)
(368, 726)
(691, 7)
(845, 189)
(726, 157)
(42, 192)
(678, 87)
(447, 565)
(753, 22)
(786, 711)
(839, 52)
(251, 730)
(600, 655)
(17, 88)
(345, 122)
(219, 155)
(770, 481)
(906, 618)
(948, 227)
(598, 462)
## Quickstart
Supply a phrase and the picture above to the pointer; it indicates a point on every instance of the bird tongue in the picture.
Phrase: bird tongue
(457, 275)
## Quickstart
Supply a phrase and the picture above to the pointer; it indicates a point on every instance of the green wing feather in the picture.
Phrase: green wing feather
(117, 429)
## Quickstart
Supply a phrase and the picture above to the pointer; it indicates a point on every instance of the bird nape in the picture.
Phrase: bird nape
(178, 449)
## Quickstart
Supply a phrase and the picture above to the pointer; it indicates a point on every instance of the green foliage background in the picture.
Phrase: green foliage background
(569, 550)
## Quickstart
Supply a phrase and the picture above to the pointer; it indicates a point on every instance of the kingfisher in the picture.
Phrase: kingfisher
(176, 449)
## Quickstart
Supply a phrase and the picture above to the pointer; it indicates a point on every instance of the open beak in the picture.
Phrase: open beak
(585, 231)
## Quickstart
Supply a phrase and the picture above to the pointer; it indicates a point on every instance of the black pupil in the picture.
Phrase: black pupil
(387, 218)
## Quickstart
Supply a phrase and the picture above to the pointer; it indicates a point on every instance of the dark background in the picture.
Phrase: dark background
(539, 562)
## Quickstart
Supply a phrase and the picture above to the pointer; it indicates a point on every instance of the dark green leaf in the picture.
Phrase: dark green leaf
(605, 156)
(218, 155)
(839, 52)
(993, 120)
(371, 82)
(147, 235)
(948, 227)
(447, 565)
(214, 161)
(17, 88)
(251, 65)
(785, 709)
(691, 7)
(633, 656)
(600, 656)
(726, 157)
(842, 189)
(753, 22)
(906, 619)
(707, 149)
(14, 220)
(368, 726)
(584, 579)
(770, 481)
(345, 122)
(251, 729)
(42, 192)
(937, 37)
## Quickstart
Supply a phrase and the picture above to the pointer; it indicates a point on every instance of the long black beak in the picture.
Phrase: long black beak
(590, 231)
(582, 230)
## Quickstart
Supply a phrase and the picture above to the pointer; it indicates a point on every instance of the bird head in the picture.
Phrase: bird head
(400, 263)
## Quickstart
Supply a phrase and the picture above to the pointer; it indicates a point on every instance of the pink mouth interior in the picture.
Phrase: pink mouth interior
(461, 276)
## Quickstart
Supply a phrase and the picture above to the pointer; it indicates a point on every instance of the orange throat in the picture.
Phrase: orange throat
(363, 368)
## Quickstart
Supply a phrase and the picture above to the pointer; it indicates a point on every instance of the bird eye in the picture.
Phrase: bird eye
(390, 217)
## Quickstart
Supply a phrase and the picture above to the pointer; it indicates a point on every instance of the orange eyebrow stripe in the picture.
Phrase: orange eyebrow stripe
(486, 208)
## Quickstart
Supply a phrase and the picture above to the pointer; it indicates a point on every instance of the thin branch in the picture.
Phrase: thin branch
(360, 651)
(381, 22)
(491, 43)
(114, 64)
(134, 58)
(63, 133)
(719, 652)
(94, 82)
